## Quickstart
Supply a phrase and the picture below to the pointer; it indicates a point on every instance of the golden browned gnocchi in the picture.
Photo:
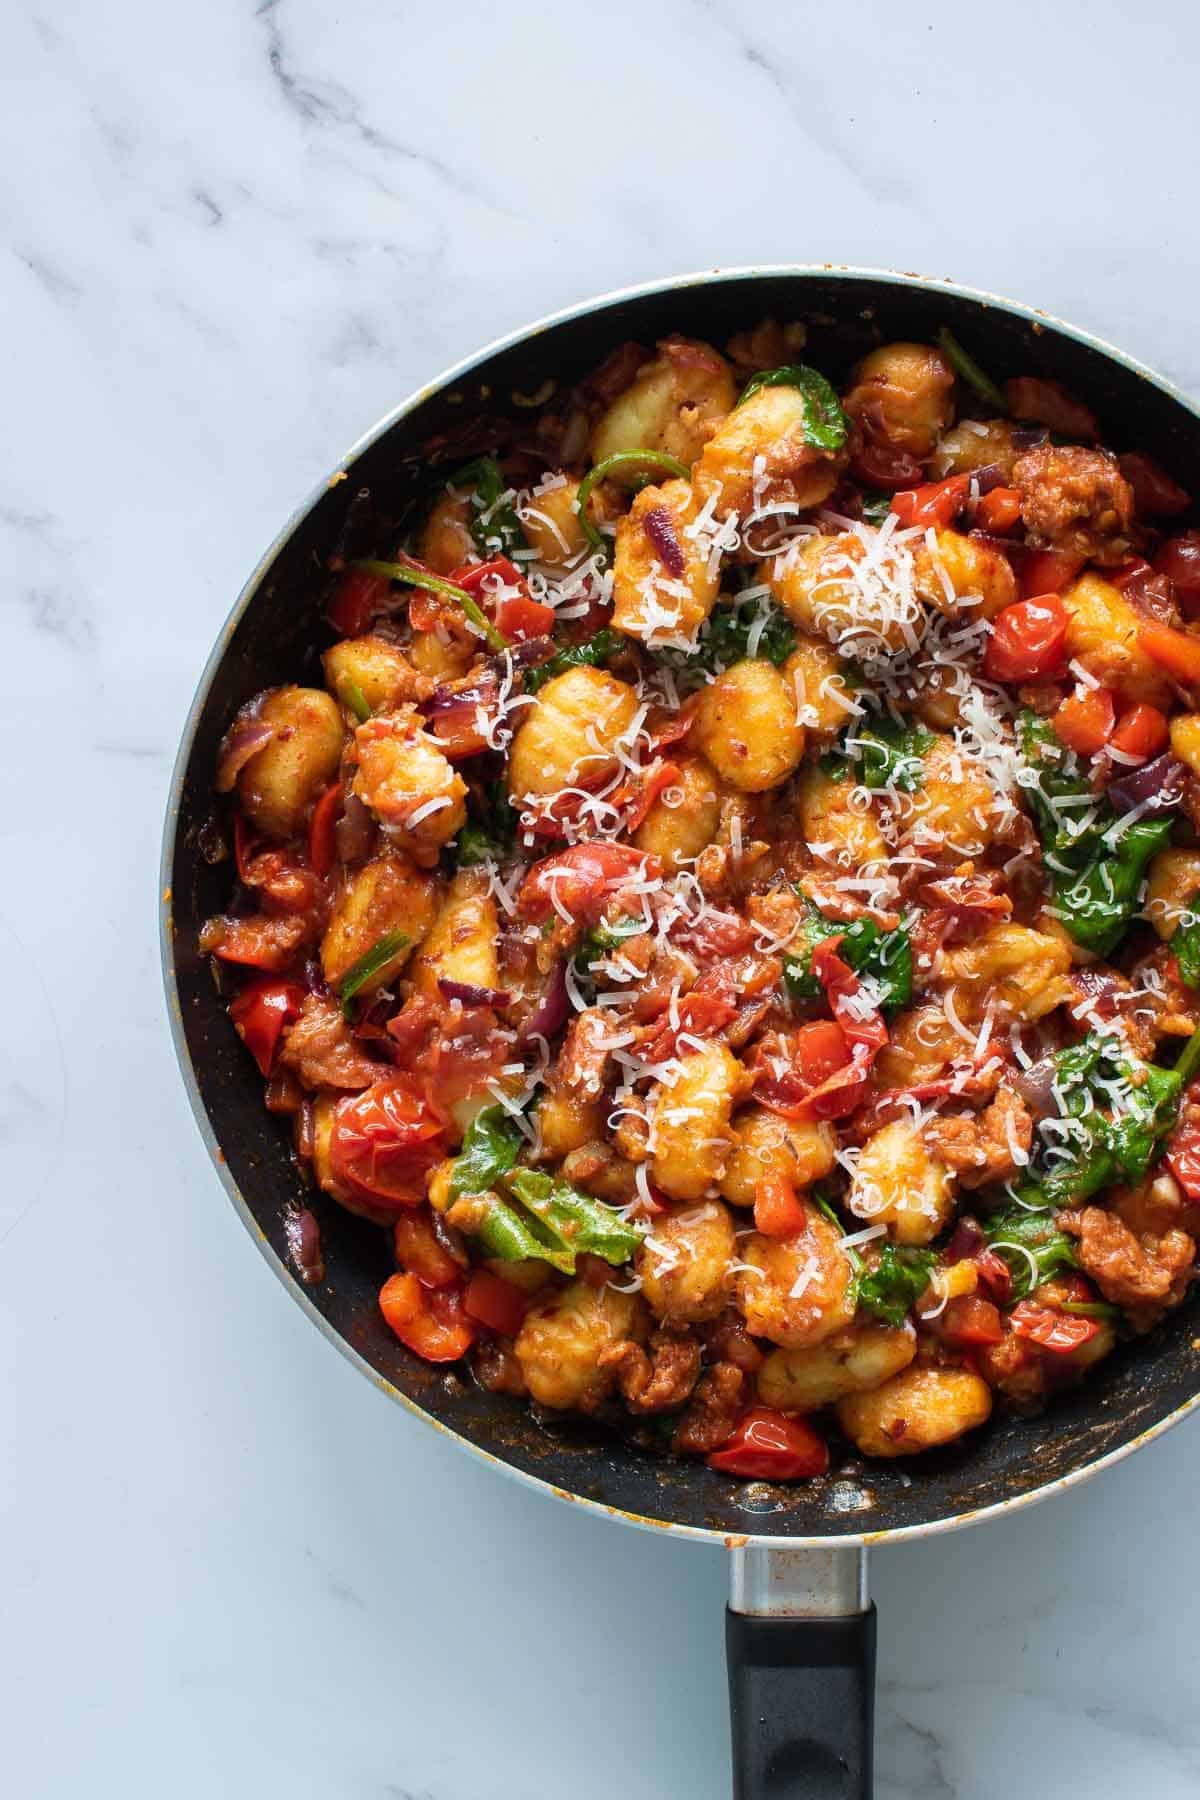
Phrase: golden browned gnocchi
(903, 394)
(685, 817)
(279, 784)
(897, 1183)
(671, 405)
(796, 1291)
(747, 728)
(686, 1264)
(692, 1134)
(764, 1144)
(919, 1409)
(565, 738)
(852, 1361)
(762, 455)
(560, 1341)
(387, 895)
(461, 944)
(663, 582)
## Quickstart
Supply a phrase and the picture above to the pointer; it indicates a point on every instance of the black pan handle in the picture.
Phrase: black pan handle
(800, 1647)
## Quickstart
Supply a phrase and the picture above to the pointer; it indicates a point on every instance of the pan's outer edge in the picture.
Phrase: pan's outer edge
(455, 373)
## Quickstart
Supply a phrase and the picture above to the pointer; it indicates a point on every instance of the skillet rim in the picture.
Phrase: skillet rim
(979, 297)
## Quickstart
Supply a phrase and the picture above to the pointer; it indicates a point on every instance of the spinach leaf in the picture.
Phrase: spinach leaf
(891, 754)
(725, 638)
(885, 956)
(492, 835)
(1017, 1234)
(825, 424)
(1122, 1109)
(592, 653)
(576, 1220)
(489, 1150)
(495, 527)
(1097, 904)
(897, 1281)
(1185, 944)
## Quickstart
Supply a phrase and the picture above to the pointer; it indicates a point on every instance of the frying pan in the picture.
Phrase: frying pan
(799, 1628)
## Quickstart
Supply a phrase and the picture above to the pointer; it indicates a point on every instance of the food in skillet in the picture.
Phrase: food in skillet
(732, 910)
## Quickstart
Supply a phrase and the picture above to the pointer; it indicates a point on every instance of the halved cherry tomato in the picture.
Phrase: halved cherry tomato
(420, 1252)
(769, 1446)
(1084, 721)
(879, 466)
(1142, 732)
(935, 504)
(1153, 489)
(518, 616)
(1179, 559)
(1048, 572)
(260, 1013)
(999, 510)
(360, 597)
(842, 989)
(1183, 1146)
(778, 1211)
(820, 1050)
(384, 1142)
(969, 1320)
(1062, 1332)
(429, 1321)
(1027, 640)
(496, 1303)
(582, 879)
(1178, 652)
(639, 795)
(322, 841)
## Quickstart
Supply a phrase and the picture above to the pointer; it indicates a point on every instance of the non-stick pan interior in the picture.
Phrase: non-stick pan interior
(279, 635)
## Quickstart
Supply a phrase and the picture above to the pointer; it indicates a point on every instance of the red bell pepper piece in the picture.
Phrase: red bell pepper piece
(937, 504)
(259, 1014)
(496, 1303)
(771, 1446)
(778, 1210)
(1049, 572)
(359, 599)
(1178, 652)
(322, 838)
(517, 616)
(1000, 510)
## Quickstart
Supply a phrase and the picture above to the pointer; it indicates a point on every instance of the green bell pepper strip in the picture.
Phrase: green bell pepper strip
(620, 459)
(367, 967)
(352, 696)
(964, 364)
(437, 584)
(826, 426)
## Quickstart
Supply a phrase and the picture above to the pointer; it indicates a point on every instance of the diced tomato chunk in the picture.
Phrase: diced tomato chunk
(1049, 572)
(820, 1050)
(936, 504)
(360, 597)
(999, 510)
(969, 1320)
(1178, 652)
(322, 838)
(260, 1013)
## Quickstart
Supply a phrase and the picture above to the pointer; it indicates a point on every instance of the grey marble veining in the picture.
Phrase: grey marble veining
(233, 235)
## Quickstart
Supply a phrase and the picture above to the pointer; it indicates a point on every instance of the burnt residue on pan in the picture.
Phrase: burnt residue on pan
(339, 1262)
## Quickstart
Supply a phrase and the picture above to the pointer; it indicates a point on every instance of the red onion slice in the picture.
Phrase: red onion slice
(1160, 783)
(354, 832)
(660, 529)
(470, 995)
(245, 738)
(550, 1013)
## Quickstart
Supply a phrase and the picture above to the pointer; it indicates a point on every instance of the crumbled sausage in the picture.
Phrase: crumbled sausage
(1075, 500)
(659, 1380)
(1145, 1275)
(321, 1051)
(712, 1412)
(984, 1147)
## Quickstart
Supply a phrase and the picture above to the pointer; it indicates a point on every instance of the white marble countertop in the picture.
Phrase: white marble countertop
(234, 235)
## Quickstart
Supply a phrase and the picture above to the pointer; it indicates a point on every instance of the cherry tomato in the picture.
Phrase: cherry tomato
(581, 879)
(1153, 489)
(1178, 652)
(360, 597)
(496, 1303)
(637, 797)
(260, 1013)
(429, 1321)
(1048, 572)
(1049, 403)
(420, 1252)
(842, 988)
(384, 1141)
(999, 510)
(1027, 641)
(1179, 559)
(1142, 732)
(936, 504)
(879, 466)
(969, 1320)
(778, 1211)
(322, 841)
(1084, 721)
(769, 1446)
(1061, 1332)
(1183, 1157)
